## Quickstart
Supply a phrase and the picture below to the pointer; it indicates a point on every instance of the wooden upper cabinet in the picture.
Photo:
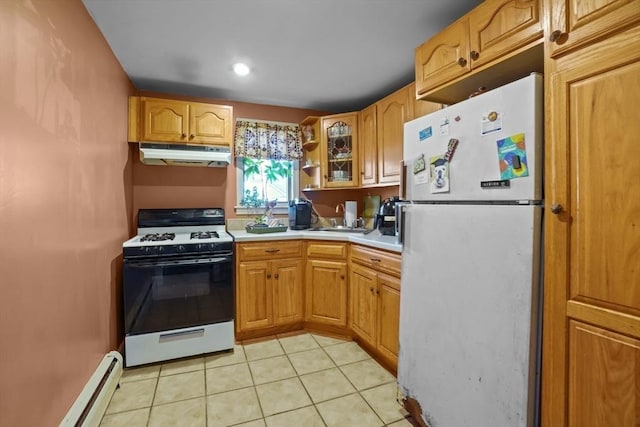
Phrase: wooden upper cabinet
(210, 124)
(572, 24)
(368, 145)
(501, 26)
(164, 120)
(393, 111)
(443, 57)
(173, 121)
(339, 151)
(420, 107)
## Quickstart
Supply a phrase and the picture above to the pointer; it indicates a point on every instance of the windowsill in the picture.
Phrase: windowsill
(278, 210)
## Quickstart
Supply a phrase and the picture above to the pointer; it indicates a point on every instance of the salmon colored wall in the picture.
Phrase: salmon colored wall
(187, 187)
(65, 205)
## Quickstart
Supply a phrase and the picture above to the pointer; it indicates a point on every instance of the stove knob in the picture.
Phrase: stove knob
(147, 249)
(180, 248)
(160, 249)
(212, 245)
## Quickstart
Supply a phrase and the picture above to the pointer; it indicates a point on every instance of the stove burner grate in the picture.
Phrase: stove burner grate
(157, 237)
(204, 235)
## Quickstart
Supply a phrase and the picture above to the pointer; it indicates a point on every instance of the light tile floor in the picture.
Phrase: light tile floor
(305, 380)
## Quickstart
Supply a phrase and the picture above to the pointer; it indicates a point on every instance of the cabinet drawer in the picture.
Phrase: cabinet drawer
(379, 260)
(269, 250)
(337, 250)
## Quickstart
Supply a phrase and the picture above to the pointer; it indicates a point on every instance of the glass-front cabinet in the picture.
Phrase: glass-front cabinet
(339, 150)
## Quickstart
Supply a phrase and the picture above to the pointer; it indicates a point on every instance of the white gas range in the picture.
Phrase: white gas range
(178, 285)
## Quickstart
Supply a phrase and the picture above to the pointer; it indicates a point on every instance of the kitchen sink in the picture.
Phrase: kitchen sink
(343, 229)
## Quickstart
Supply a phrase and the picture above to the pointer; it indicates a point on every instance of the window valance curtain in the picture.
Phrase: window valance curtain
(268, 140)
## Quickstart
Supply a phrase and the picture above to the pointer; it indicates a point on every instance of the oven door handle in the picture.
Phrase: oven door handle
(192, 261)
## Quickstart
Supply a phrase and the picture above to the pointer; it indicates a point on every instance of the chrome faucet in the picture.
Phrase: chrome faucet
(338, 206)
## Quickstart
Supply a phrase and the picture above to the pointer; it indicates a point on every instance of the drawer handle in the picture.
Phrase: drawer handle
(272, 251)
(376, 260)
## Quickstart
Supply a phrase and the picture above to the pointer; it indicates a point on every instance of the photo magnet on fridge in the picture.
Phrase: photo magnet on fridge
(439, 171)
(512, 155)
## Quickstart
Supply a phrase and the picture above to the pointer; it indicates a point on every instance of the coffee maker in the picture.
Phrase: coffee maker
(386, 218)
(299, 214)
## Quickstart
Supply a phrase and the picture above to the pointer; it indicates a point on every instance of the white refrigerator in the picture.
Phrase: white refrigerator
(471, 271)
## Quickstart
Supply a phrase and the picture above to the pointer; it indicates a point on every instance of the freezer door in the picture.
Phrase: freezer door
(517, 108)
(469, 313)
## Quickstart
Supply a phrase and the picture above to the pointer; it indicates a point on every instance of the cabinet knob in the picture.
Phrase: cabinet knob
(184, 135)
(462, 62)
(557, 36)
(192, 136)
(371, 290)
(342, 276)
(276, 275)
(377, 291)
(268, 275)
(556, 209)
(475, 55)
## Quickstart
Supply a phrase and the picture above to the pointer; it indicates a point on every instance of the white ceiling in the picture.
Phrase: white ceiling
(332, 55)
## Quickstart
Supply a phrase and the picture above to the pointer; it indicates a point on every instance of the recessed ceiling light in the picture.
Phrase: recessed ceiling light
(241, 69)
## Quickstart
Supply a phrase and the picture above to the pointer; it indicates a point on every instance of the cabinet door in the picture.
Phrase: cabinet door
(421, 108)
(326, 292)
(443, 57)
(592, 235)
(603, 379)
(388, 316)
(498, 27)
(254, 295)
(210, 124)
(363, 285)
(393, 112)
(368, 143)
(339, 151)
(287, 291)
(164, 120)
(572, 24)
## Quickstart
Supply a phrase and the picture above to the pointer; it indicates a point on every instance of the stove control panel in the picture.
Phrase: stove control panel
(185, 249)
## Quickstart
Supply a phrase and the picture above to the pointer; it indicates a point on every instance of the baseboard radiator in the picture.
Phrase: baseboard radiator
(89, 407)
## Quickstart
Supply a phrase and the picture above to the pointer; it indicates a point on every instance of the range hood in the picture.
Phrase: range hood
(184, 155)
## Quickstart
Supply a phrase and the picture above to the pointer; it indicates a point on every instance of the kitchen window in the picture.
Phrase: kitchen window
(267, 164)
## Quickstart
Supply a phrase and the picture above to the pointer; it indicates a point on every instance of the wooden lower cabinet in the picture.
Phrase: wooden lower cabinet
(269, 293)
(326, 292)
(375, 307)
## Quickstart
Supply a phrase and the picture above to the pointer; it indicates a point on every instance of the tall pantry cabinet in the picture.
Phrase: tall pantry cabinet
(591, 332)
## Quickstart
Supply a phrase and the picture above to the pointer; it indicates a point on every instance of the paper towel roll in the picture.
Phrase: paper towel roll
(350, 212)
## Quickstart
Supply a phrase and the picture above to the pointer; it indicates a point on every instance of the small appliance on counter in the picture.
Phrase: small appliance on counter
(386, 217)
(299, 214)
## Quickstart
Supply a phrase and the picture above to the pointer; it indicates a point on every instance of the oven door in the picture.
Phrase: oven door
(161, 295)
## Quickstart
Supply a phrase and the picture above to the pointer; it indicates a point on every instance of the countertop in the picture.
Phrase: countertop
(373, 239)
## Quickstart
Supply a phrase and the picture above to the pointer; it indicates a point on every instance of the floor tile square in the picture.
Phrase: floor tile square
(309, 361)
(179, 387)
(350, 411)
(274, 369)
(344, 353)
(367, 374)
(383, 401)
(142, 373)
(233, 407)
(298, 343)
(281, 396)
(227, 378)
(307, 417)
(263, 350)
(133, 395)
(327, 384)
(191, 412)
(327, 341)
(402, 423)
(224, 358)
(182, 366)
(135, 418)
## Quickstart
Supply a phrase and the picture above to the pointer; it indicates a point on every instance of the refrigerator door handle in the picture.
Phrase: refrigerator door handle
(400, 216)
(403, 180)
